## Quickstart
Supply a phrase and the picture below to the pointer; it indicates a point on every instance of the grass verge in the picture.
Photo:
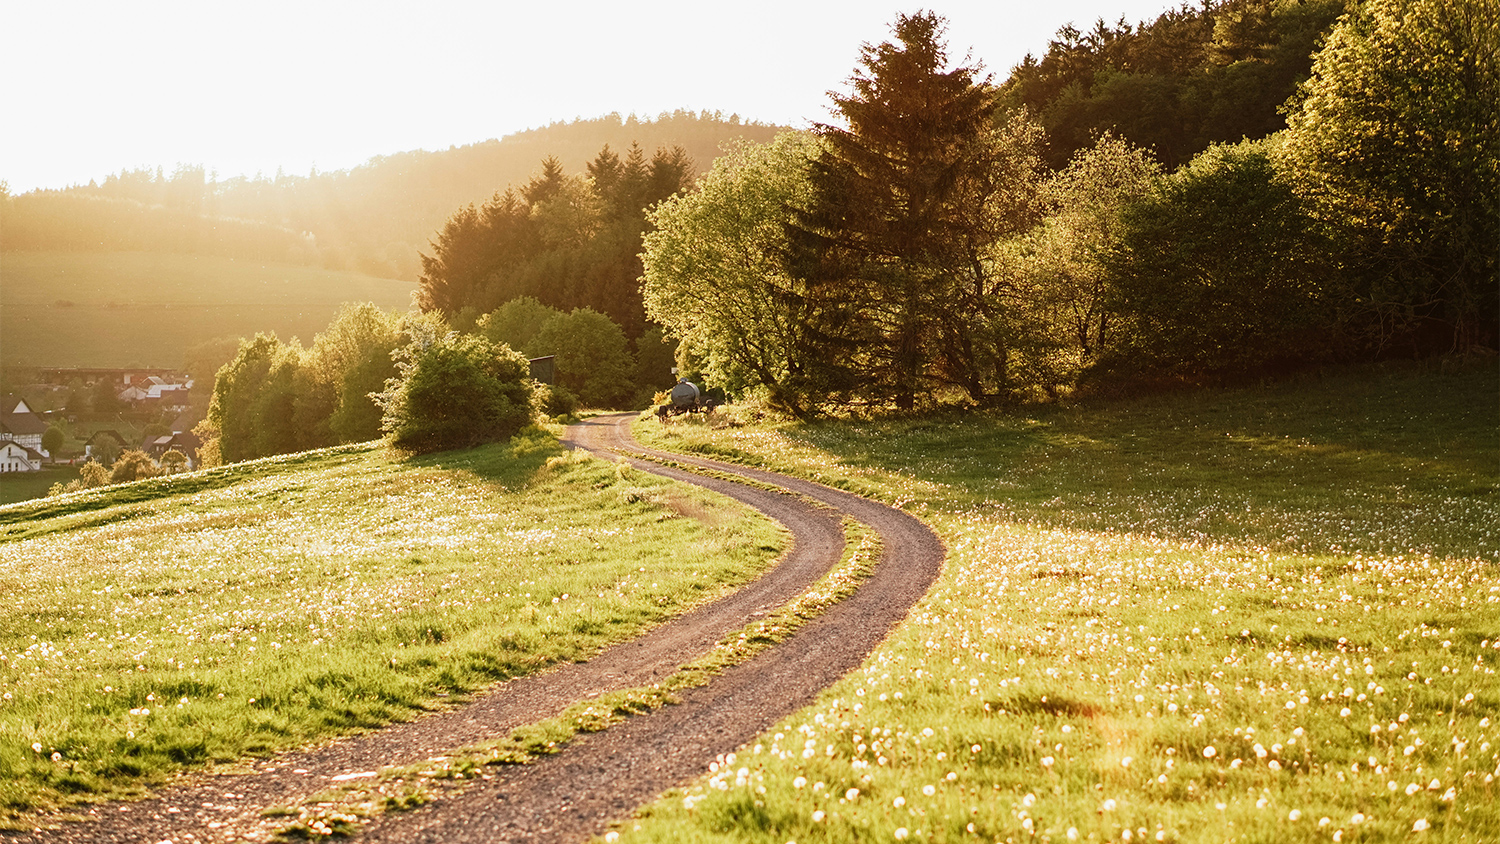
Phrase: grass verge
(1260, 615)
(170, 624)
(366, 795)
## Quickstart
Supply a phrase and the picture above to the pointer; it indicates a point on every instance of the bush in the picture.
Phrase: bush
(556, 400)
(132, 466)
(593, 359)
(455, 391)
(90, 475)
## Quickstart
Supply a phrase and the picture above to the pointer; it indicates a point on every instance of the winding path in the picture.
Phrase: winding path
(599, 777)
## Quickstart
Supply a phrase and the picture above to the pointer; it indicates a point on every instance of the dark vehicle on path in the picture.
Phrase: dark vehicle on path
(685, 398)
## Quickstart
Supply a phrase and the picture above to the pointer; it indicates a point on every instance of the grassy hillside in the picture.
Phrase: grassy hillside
(146, 309)
(179, 622)
(1262, 615)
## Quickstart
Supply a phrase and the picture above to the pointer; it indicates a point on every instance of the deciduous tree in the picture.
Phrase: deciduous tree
(1396, 140)
(716, 272)
(593, 359)
(1216, 271)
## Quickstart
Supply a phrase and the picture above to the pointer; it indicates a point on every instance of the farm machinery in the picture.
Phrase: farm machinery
(684, 398)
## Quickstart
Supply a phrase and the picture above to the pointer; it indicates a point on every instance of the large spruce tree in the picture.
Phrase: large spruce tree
(907, 197)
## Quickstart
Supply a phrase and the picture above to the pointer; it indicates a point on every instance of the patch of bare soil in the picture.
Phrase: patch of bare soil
(599, 777)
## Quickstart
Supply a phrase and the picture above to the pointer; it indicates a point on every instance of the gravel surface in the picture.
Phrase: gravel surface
(600, 777)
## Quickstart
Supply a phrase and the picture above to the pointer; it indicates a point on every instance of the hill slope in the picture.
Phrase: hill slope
(376, 217)
(146, 309)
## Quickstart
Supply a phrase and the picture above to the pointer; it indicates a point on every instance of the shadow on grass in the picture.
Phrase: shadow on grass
(1373, 436)
(135, 492)
(513, 465)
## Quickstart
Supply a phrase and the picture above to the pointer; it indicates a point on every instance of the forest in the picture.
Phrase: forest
(942, 246)
(1237, 190)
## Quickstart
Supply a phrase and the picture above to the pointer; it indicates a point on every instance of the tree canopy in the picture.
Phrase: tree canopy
(1396, 141)
(716, 272)
(1202, 73)
(566, 241)
(906, 199)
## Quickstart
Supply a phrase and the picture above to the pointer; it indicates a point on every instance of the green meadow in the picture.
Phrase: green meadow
(146, 308)
(207, 618)
(1268, 614)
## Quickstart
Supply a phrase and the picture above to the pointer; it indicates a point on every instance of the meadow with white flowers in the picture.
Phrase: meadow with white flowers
(1270, 614)
(157, 626)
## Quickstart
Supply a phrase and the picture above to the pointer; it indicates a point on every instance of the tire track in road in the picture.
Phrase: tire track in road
(602, 777)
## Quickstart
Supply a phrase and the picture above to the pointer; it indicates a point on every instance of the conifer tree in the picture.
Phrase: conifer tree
(907, 197)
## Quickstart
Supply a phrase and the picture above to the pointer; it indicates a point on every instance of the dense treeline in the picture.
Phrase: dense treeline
(929, 249)
(375, 218)
(923, 252)
(566, 241)
(1200, 74)
(413, 378)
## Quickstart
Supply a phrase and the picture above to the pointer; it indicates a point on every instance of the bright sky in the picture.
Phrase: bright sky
(94, 86)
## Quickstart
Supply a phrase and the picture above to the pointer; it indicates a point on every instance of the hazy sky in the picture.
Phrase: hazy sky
(93, 87)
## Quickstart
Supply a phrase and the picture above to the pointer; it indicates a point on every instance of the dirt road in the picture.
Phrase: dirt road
(599, 777)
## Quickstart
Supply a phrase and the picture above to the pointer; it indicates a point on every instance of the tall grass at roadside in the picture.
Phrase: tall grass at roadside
(237, 612)
(1261, 615)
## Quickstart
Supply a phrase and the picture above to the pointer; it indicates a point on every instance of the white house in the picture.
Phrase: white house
(15, 457)
(23, 429)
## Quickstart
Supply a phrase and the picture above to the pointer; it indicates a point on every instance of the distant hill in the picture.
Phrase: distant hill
(147, 309)
(373, 218)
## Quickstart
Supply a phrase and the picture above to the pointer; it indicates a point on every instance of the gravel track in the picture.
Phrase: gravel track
(601, 777)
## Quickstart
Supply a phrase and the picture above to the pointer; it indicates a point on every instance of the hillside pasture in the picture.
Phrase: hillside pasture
(1270, 614)
(146, 309)
(205, 618)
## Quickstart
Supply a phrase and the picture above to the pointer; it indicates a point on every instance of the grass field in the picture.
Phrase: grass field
(20, 486)
(174, 623)
(146, 309)
(1263, 615)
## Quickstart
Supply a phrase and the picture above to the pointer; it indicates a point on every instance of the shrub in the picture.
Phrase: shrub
(455, 391)
(132, 466)
(90, 475)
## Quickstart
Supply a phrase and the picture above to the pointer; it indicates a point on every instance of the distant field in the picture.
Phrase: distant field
(146, 309)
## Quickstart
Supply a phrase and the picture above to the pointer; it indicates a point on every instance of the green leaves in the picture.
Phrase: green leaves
(454, 391)
(1396, 141)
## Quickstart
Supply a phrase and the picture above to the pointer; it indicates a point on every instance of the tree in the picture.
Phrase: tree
(454, 391)
(655, 356)
(592, 356)
(906, 202)
(173, 462)
(104, 397)
(1059, 288)
(53, 439)
(1396, 141)
(1216, 272)
(516, 322)
(251, 412)
(106, 450)
(133, 465)
(716, 271)
(347, 362)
